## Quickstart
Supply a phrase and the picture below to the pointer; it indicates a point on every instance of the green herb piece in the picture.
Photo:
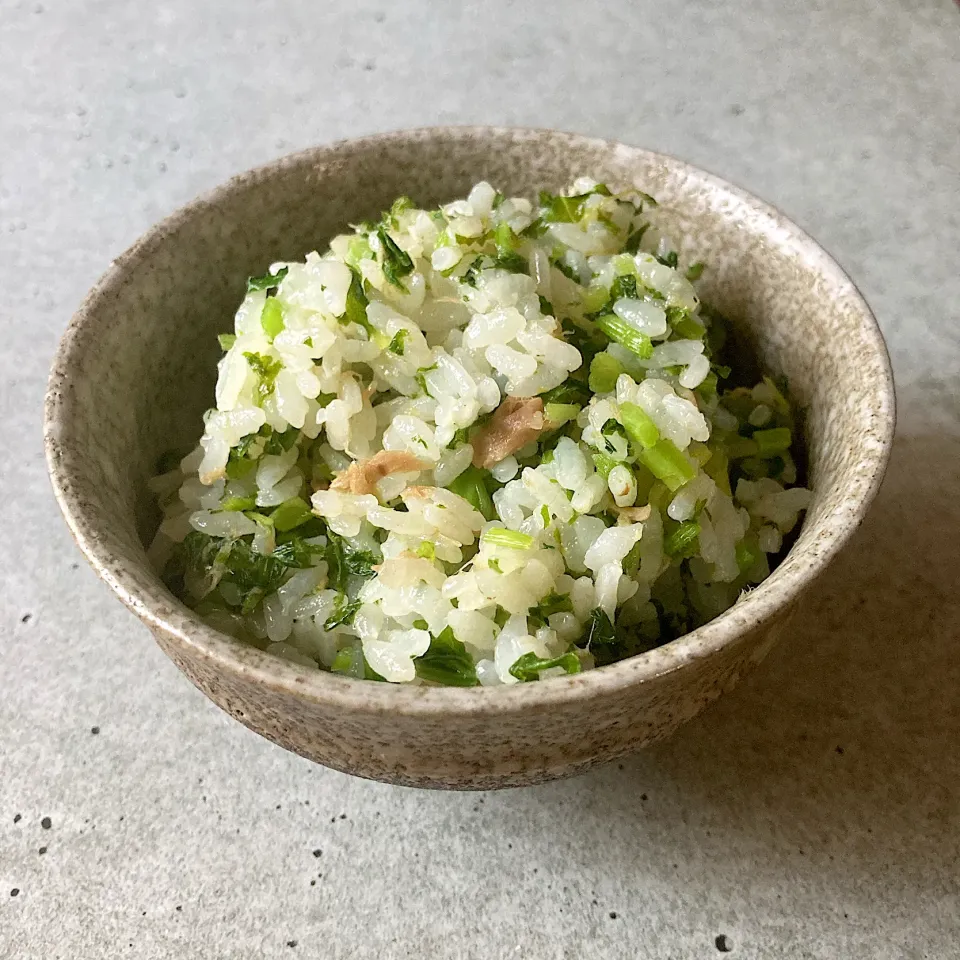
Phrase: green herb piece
(344, 559)
(570, 391)
(343, 612)
(396, 263)
(667, 463)
(557, 209)
(747, 552)
(604, 371)
(546, 307)
(528, 667)
(771, 443)
(609, 429)
(632, 244)
(351, 662)
(427, 550)
(552, 603)
(358, 249)
(277, 442)
(604, 464)
(601, 637)
(447, 661)
(266, 368)
(557, 414)
(568, 271)
(268, 281)
(640, 428)
(683, 540)
(472, 486)
(624, 286)
(399, 339)
(399, 206)
(670, 260)
(694, 271)
(217, 560)
(291, 514)
(594, 299)
(684, 324)
(501, 537)
(238, 504)
(227, 340)
(356, 307)
(271, 317)
(507, 244)
(626, 335)
(294, 552)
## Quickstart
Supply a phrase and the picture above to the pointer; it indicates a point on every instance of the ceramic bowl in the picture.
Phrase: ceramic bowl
(136, 368)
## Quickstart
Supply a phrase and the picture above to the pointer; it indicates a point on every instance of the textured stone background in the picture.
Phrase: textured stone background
(813, 813)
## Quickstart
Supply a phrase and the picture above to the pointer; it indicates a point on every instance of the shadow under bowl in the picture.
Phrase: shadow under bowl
(136, 369)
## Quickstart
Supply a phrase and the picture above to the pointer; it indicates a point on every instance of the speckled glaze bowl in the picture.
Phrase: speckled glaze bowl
(136, 368)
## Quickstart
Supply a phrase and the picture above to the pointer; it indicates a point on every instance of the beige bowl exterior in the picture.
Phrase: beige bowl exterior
(136, 366)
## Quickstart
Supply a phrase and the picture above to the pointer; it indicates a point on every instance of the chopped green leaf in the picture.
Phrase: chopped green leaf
(399, 339)
(747, 553)
(695, 270)
(358, 249)
(557, 414)
(570, 391)
(212, 560)
(271, 317)
(291, 514)
(351, 662)
(684, 323)
(600, 631)
(567, 270)
(552, 603)
(294, 552)
(472, 485)
(682, 541)
(624, 285)
(670, 260)
(277, 442)
(266, 368)
(356, 308)
(238, 504)
(344, 559)
(557, 209)
(268, 281)
(227, 340)
(343, 611)
(604, 371)
(529, 666)
(427, 550)
(447, 661)
(396, 263)
(633, 241)
(399, 206)
(604, 464)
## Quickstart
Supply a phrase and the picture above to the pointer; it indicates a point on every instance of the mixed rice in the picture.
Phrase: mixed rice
(484, 444)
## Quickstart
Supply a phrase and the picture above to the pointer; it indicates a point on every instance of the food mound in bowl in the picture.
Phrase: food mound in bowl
(484, 444)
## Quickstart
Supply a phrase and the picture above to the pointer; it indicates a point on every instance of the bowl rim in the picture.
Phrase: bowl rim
(160, 611)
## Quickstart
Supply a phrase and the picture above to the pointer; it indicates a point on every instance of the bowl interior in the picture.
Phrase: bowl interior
(137, 366)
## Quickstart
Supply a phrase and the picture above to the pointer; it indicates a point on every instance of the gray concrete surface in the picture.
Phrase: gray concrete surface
(813, 813)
